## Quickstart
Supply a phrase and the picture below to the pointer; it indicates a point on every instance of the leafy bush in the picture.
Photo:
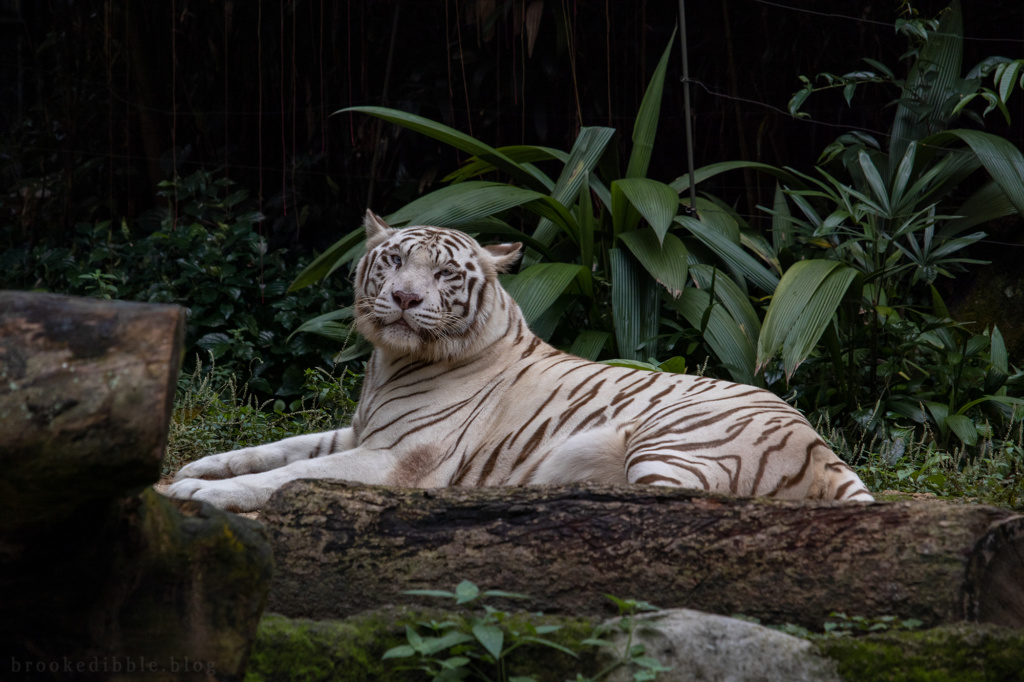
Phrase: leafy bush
(204, 251)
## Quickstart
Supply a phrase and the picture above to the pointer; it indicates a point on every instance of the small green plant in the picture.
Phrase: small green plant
(632, 655)
(480, 647)
(474, 649)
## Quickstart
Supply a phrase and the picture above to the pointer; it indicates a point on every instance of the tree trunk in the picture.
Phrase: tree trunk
(97, 582)
(86, 393)
(340, 550)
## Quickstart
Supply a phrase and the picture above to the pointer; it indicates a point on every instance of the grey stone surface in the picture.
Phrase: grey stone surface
(708, 648)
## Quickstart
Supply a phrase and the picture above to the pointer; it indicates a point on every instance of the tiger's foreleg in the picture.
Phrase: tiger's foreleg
(250, 492)
(270, 456)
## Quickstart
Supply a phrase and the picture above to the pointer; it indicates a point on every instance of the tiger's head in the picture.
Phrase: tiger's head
(427, 291)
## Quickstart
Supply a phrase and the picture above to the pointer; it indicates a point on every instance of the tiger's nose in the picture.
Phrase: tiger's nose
(405, 300)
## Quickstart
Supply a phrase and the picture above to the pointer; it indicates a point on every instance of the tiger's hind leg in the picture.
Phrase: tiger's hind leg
(594, 456)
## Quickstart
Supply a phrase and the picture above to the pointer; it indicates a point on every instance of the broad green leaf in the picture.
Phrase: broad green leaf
(433, 645)
(783, 229)
(732, 253)
(716, 217)
(964, 428)
(655, 201)
(646, 126)
(330, 260)
(732, 297)
(462, 202)
(876, 183)
(589, 344)
(522, 154)
(355, 347)
(537, 287)
(490, 637)
(400, 651)
(997, 352)
(933, 73)
(634, 304)
(999, 156)
(453, 138)
(666, 262)
(788, 178)
(327, 324)
(725, 338)
(987, 203)
(586, 152)
(632, 364)
(466, 591)
(801, 308)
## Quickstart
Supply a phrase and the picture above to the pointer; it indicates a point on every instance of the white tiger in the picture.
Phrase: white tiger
(459, 392)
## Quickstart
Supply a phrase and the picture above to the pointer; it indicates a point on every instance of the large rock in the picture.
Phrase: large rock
(702, 647)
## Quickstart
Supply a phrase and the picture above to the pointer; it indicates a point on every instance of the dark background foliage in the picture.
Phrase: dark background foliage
(101, 100)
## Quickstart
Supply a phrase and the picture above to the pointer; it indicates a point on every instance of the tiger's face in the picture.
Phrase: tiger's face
(426, 291)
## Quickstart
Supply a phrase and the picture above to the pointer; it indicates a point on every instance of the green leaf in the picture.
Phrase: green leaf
(400, 651)
(997, 352)
(521, 154)
(330, 260)
(655, 201)
(462, 202)
(430, 593)
(964, 429)
(727, 341)
(932, 75)
(328, 325)
(466, 592)
(490, 637)
(632, 364)
(732, 297)
(586, 152)
(433, 645)
(646, 126)
(537, 287)
(783, 229)
(453, 138)
(999, 156)
(666, 262)
(801, 308)
(732, 253)
(589, 344)
(634, 304)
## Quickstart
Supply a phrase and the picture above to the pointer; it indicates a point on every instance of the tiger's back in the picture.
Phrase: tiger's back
(458, 391)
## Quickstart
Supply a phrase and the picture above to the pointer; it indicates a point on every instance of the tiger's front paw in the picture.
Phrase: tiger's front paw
(224, 465)
(229, 494)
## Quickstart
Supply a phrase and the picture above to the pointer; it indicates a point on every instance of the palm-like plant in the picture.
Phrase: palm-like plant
(610, 252)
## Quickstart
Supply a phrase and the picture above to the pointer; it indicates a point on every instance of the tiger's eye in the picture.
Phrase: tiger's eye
(396, 260)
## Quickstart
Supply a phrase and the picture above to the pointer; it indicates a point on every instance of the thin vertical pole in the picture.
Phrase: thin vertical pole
(686, 107)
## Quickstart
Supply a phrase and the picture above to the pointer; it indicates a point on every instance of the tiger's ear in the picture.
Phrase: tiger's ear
(377, 231)
(504, 255)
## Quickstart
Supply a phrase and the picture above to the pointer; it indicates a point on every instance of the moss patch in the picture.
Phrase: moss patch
(303, 650)
(963, 652)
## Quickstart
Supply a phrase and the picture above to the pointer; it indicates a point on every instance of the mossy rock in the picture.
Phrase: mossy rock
(352, 649)
(965, 652)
